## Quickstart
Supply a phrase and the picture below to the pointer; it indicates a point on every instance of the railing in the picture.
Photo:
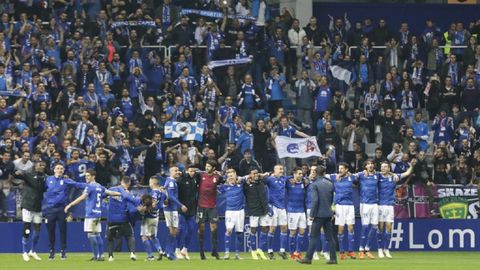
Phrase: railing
(384, 47)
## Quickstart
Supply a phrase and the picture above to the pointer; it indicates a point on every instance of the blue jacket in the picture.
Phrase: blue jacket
(256, 7)
(118, 207)
(56, 193)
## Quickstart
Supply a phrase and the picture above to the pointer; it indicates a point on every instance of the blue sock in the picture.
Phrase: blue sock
(372, 235)
(25, 244)
(35, 238)
(181, 235)
(148, 247)
(270, 241)
(363, 239)
(386, 237)
(300, 239)
(238, 242)
(380, 239)
(341, 241)
(172, 242)
(253, 241)
(292, 242)
(93, 244)
(263, 241)
(227, 242)
(323, 239)
(156, 244)
(351, 241)
(283, 241)
(100, 245)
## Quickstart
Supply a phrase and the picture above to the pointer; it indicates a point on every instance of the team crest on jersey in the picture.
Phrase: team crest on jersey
(61, 182)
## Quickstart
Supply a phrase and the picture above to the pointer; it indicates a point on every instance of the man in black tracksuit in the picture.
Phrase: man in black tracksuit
(32, 196)
(188, 196)
(257, 203)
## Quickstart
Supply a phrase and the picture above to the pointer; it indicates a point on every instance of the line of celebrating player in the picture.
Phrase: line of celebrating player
(272, 199)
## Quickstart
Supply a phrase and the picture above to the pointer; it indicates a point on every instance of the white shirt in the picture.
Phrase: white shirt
(295, 37)
(200, 33)
(261, 14)
(350, 142)
(23, 167)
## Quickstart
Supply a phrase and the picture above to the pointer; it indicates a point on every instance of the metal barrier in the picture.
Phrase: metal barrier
(384, 47)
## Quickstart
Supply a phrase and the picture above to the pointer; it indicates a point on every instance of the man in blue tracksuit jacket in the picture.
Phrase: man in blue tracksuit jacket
(55, 197)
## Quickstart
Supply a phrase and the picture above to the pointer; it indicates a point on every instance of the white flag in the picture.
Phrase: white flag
(297, 147)
(341, 73)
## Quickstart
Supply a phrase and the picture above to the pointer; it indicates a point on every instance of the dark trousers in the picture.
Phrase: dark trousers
(52, 219)
(326, 224)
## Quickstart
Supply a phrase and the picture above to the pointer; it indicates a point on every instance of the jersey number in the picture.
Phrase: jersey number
(99, 200)
(82, 170)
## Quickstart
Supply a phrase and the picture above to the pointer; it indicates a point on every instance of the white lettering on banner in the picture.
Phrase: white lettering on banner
(439, 239)
(411, 240)
(448, 192)
(461, 237)
(435, 238)
(396, 236)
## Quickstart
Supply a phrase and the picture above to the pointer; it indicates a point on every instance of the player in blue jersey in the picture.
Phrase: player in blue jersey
(149, 227)
(93, 195)
(297, 221)
(171, 210)
(235, 211)
(55, 199)
(276, 184)
(386, 185)
(118, 224)
(368, 182)
(344, 209)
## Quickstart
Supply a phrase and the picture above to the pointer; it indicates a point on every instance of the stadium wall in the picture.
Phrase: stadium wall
(395, 14)
(408, 235)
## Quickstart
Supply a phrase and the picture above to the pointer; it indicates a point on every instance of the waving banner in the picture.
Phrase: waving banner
(297, 147)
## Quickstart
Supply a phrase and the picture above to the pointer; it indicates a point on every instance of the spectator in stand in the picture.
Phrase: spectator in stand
(339, 27)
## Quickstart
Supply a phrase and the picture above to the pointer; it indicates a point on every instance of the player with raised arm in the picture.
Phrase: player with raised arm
(344, 209)
(235, 211)
(171, 210)
(297, 221)
(368, 182)
(149, 228)
(118, 224)
(386, 200)
(93, 195)
(276, 184)
(55, 199)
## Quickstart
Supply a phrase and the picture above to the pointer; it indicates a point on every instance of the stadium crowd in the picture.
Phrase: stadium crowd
(85, 84)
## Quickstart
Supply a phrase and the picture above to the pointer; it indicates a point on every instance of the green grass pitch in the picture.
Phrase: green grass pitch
(401, 261)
